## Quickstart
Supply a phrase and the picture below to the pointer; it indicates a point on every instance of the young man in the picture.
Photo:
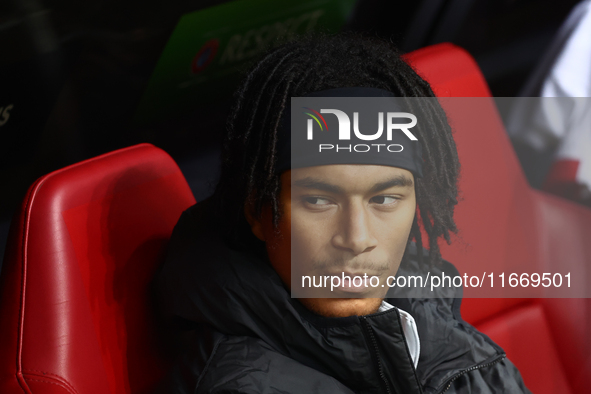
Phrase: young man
(231, 262)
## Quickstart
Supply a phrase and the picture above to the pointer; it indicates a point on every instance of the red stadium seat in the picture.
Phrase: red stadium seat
(507, 226)
(74, 310)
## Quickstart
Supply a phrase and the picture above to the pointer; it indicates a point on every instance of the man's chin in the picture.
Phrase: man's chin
(342, 307)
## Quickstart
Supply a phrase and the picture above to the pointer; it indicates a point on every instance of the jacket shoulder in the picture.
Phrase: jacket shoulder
(500, 377)
(250, 366)
(455, 356)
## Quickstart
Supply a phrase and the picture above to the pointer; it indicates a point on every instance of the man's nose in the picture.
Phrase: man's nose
(354, 233)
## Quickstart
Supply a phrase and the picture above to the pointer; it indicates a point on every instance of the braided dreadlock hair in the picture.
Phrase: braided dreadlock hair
(318, 63)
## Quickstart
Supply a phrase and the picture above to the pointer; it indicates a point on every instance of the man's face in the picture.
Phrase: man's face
(335, 219)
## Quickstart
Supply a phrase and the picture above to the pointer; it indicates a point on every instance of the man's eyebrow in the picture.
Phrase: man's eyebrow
(313, 183)
(399, 180)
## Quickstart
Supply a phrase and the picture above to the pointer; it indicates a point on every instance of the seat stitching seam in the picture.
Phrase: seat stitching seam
(23, 287)
(60, 380)
(51, 382)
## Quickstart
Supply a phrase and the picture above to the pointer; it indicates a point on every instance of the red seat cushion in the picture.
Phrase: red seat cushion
(524, 334)
(495, 196)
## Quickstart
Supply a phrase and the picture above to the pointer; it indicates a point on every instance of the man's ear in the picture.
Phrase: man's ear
(256, 225)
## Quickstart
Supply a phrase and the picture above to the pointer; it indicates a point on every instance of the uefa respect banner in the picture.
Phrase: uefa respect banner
(209, 50)
(355, 163)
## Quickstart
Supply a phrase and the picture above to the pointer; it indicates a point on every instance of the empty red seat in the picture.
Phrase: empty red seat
(74, 300)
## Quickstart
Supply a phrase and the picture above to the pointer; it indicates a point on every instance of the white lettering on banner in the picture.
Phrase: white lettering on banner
(371, 137)
(310, 129)
(5, 114)
(361, 148)
(398, 145)
(403, 127)
(249, 44)
(345, 125)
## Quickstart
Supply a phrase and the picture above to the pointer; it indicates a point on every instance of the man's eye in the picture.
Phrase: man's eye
(317, 201)
(383, 200)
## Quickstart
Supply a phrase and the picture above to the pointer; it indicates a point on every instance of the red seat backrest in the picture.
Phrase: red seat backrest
(74, 299)
(505, 226)
(493, 190)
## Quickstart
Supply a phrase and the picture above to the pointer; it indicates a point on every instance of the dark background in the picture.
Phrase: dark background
(75, 72)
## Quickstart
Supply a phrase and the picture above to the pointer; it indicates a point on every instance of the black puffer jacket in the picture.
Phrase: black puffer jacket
(242, 333)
